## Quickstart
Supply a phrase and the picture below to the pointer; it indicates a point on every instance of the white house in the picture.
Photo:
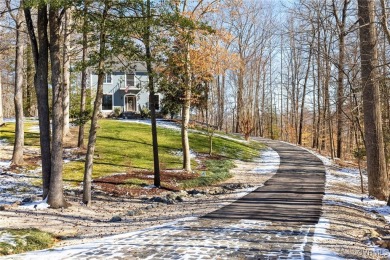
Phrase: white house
(126, 89)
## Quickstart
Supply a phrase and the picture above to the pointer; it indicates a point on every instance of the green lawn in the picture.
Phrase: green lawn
(122, 146)
(31, 137)
(23, 240)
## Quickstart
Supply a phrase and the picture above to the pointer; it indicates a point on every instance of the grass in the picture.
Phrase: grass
(217, 170)
(124, 146)
(16, 241)
(31, 138)
(136, 182)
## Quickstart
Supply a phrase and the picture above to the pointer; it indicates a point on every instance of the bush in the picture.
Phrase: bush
(117, 111)
(81, 118)
(145, 112)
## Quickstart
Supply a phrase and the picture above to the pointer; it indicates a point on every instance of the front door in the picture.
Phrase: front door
(131, 103)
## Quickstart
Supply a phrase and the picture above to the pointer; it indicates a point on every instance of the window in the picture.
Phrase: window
(107, 78)
(107, 102)
(130, 80)
(156, 102)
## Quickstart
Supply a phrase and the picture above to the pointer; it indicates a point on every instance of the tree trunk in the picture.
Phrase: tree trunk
(304, 95)
(152, 100)
(40, 54)
(1, 101)
(17, 156)
(83, 94)
(56, 195)
(340, 79)
(240, 101)
(376, 164)
(28, 100)
(66, 70)
(186, 112)
(87, 196)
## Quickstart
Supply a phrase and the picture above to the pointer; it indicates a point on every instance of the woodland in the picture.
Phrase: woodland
(308, 72)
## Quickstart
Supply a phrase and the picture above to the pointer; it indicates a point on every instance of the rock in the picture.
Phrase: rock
(72, 193)
(131, 213)
(179, 199)
(235, 186)
(116, 219)
(158, 199)
(182, 193)
(195, 192)
(27, 200)
(170, 196)
(171, 201)
(149, 207)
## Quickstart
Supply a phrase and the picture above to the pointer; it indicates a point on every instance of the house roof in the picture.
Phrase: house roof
(120, 66)
(138, 66)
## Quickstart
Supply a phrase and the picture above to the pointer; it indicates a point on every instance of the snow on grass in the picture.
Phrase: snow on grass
(336, 174)
(42, 204)
(34, 129)
(162, 123)
(3, 142)
(320, 234)
(8, 238)
(180, 153)
(268, 162)
(4, 164)
(14, 187)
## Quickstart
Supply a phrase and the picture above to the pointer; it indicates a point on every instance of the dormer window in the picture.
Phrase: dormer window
(107, 78)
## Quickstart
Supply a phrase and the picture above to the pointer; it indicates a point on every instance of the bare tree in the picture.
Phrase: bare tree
(40, 46)
(342, 33)
(17, 156)
(376, 164)
(83, 94)
(1, 100)
(87, 196)
(56, 196)
(67, 21)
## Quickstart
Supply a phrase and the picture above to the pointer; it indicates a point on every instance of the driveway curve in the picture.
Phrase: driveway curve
(294, 194)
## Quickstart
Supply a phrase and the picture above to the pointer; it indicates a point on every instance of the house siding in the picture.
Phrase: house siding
(117, 89)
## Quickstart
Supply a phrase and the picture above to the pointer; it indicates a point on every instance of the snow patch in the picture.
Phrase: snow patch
(3, 142)
(337, 174)
(5, 164)
(268, 162)
(34, 129)
(7, 238)
(36, 205)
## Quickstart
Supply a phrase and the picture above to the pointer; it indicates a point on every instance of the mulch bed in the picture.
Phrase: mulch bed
(116, 184)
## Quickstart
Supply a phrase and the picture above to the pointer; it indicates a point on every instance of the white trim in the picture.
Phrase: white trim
(104, 79)
(125, 105)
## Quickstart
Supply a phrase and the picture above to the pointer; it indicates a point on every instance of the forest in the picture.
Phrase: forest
(308, 72)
